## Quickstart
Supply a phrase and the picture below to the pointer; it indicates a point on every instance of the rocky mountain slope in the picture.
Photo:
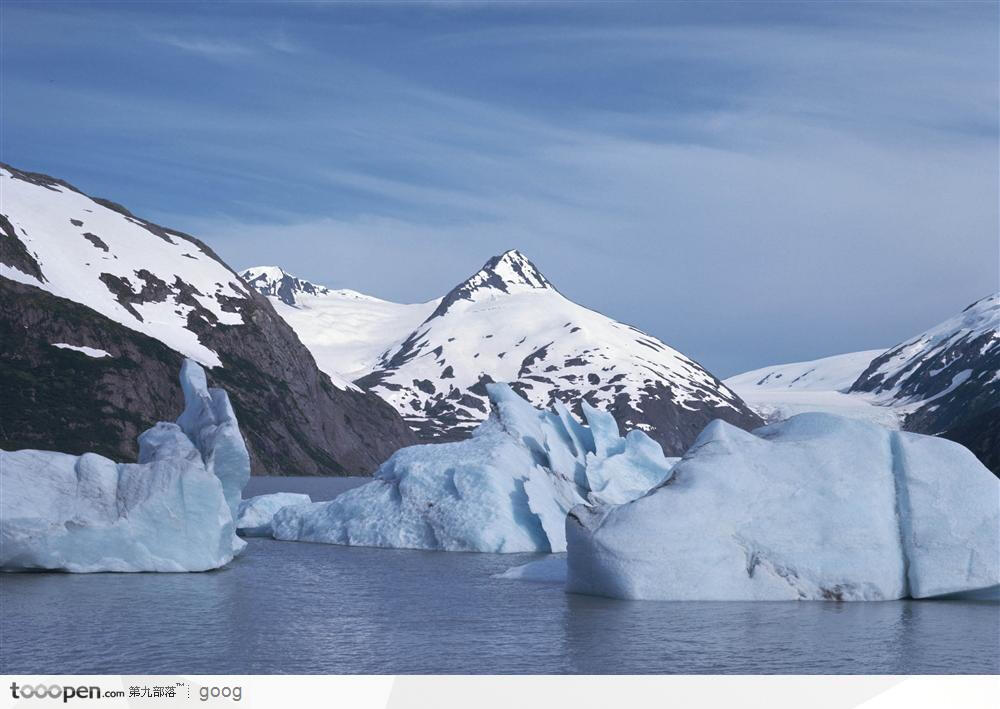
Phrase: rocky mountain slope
(947, 378)
(100, 307)
(506, 323)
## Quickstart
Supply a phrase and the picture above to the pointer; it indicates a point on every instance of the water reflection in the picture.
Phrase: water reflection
(897, 637)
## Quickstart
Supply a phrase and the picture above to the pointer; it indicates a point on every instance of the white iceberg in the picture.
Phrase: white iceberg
(168, 512)
(255, 513)
(506, 489)
(815, 507)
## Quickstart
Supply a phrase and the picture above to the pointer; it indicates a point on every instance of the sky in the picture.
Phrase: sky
(753, 183)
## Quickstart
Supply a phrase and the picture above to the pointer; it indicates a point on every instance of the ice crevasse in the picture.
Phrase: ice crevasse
(814, 507)
(508, 488)
(173, 510)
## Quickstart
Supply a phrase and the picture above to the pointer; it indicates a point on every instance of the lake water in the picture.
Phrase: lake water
(288, 607)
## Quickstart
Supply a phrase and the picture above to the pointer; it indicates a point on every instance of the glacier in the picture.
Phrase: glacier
(815, 507)
(506, 489)
(255, 513)
(173, 510)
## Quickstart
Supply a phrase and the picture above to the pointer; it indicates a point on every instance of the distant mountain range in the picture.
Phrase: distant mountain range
(944, 381)
(99, 308)
(506, 322)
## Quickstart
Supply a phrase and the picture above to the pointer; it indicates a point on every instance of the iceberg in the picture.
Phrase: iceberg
(506, 489)
(168, 512)
(815, 507)
(208, 420)
(255, 513)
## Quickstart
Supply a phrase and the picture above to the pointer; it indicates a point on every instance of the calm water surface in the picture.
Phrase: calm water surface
(288, 607)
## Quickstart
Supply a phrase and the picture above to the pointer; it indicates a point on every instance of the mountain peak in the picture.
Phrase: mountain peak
(514, 269)
(509, 272)
(270, 273)
(275, 281)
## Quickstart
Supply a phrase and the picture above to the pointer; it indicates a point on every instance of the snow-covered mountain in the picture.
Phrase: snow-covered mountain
(142, 276)
(272, 281)
(944, 381)
(346, 331)
(506, 323)
(948, 366)
(101, 306)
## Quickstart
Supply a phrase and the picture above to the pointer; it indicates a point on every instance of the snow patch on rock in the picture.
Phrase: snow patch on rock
(89, 351)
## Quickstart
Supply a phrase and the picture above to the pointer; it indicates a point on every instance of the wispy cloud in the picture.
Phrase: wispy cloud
(206, 46)
(279, 40)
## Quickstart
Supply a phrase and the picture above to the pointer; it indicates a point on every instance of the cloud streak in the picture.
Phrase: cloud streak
(206, 46)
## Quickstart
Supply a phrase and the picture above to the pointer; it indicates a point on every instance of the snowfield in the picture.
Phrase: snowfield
(816, 507)
(778, 405)
(346, 331)
(836, 373)
(506, 489)
(171, 511)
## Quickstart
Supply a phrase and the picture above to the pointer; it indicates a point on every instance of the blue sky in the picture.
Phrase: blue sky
(753, 183)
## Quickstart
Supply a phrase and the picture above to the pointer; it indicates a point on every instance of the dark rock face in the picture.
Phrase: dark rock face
(63, 400)
(14, 253)
(294, 420)
(954, 370)
(981, 435)
(271, 372)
